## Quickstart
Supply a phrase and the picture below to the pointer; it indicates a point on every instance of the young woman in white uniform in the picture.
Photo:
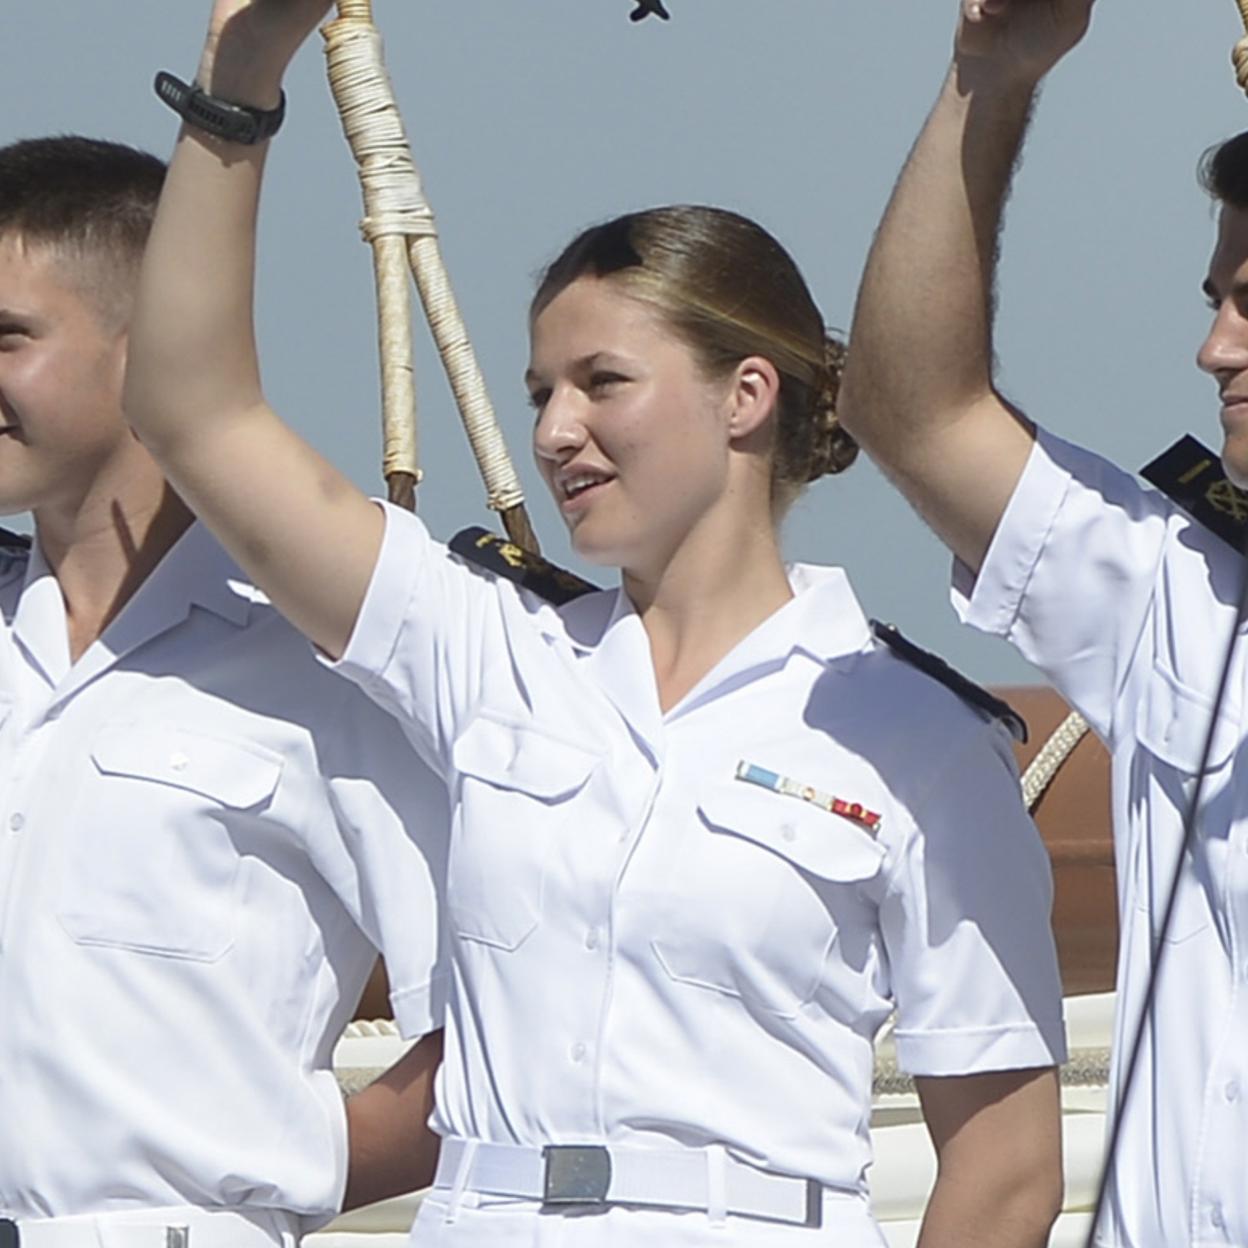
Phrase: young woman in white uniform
(709, 832)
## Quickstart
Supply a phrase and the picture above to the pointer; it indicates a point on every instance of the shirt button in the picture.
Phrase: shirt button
(592, 939)
(578, 1052)
(1232, 1090)
(179, 762)
(17, 821)
(788, 832)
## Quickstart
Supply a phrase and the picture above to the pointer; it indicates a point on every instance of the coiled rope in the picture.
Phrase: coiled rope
(399, 224)
(1239, 57)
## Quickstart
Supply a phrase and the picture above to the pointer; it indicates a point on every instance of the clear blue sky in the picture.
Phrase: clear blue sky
(531, 118)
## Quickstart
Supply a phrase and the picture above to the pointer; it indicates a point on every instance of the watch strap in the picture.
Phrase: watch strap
(236, 123)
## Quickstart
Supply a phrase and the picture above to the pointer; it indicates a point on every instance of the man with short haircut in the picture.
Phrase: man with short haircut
(1117, 594)
(204, 834)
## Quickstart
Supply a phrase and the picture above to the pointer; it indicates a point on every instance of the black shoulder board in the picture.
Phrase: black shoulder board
(496, 554)
(10, 541)
(1191, 475)
(939, 670)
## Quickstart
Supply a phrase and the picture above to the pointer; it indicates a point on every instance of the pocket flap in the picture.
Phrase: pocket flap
(510, 756)
(1172, 722)
(233, 772)
(827, 845)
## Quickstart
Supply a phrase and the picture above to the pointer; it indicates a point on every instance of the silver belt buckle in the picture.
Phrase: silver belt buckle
(575, 1174)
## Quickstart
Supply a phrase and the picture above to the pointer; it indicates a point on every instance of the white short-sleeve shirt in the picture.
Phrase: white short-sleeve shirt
(204, 836)
(648, 949)
(1127, 605)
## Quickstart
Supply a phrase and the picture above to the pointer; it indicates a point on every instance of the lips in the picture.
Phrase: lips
(572, 483)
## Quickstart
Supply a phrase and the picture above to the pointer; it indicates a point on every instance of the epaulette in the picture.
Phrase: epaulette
(1191, 475)
(503, 558)
(935, 667)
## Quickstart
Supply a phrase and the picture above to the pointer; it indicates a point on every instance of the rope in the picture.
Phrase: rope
(1055, 751)
(1239, 56)
(392, 203)
(399, 221)
(1087, 1068)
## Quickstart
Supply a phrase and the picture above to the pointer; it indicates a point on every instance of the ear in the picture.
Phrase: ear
(754, 395)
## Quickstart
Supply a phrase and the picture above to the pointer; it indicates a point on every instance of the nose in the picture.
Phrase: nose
(1225, 348)
(559, 432)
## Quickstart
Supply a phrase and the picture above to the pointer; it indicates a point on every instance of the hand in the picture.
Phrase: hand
(251, 42)
(1021, 39)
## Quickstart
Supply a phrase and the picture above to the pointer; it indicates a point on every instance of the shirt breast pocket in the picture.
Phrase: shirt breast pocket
(517, 787)
(156, 869)
(766, 904)
(1172, 722)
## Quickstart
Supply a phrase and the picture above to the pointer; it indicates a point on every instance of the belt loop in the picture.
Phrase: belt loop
(717, 1184)
(463, 1171)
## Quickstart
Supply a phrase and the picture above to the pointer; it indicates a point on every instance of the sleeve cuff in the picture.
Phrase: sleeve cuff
(422, 1009)
(382, 613)
(973, 1051)
(991, 601)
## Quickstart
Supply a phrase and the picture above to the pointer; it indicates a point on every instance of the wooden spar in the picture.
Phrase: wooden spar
(399, 224)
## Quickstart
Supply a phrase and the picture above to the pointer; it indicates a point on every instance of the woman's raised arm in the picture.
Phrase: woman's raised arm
(297, 526)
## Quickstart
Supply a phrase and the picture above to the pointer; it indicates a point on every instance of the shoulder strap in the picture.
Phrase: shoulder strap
(513, 563)
(1191, 475)
(934, 666)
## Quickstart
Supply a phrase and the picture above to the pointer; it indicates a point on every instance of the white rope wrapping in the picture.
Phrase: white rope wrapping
(1055, 751)
(1239, 56)
(394, 200)
(395, 207)
(371, 123)
(502, 486)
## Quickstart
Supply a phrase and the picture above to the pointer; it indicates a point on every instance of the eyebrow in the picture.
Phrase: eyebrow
(585, 363)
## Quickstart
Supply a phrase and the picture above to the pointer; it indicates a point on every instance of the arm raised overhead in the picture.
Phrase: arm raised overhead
(918, 390)
(301, 530)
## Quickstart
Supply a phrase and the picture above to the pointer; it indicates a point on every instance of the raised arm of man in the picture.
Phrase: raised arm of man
(918, 391)
(300, 529)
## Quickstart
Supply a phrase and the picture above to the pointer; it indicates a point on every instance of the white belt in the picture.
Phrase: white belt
(181, 1226)
(669, 1178)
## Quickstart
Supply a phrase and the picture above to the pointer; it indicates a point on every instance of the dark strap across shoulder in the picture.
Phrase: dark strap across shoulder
(513, 563)
(934, 666)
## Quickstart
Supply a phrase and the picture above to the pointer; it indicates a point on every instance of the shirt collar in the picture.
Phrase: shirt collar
(822, 620)
(195, 572)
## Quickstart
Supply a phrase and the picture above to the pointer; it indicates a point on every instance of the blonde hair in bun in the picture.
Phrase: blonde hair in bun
(729, 289)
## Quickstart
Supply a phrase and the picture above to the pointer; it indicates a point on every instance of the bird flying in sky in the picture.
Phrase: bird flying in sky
(646, 7)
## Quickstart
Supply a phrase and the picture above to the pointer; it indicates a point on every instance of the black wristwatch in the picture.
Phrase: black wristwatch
(235, 123)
